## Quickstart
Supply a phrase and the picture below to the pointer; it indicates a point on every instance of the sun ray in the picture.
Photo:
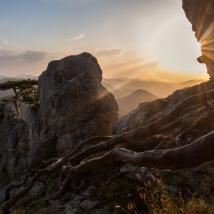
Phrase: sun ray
(208, 33)
(207, 48)
(201, 18)
(205, 42)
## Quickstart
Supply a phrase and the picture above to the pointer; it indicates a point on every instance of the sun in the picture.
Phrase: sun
(176, 48)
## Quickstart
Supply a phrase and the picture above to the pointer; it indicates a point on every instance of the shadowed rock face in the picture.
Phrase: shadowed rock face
(13, 147)
(67, 86)
(73, 101)
(201, 15)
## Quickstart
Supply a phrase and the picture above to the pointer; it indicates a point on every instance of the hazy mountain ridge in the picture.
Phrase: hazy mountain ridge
(132, 92)
(131, 101)
(128, 92)
(124, 87)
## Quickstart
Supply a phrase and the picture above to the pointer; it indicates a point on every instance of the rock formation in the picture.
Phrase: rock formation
(74, 105)
(189, 107)
(13, 144)
(201, 14)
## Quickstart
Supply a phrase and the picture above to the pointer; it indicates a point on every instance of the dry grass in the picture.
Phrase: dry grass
(158, 201)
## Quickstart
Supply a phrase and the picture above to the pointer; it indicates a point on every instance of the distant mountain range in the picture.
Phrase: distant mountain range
(128, 92)
(131, 101)
(123, 87)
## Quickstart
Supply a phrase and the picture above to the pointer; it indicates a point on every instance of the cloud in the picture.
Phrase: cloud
(79, 37)
(4, 42)
(124, 64)
(33, 56)
(109, 52)
(29, 56)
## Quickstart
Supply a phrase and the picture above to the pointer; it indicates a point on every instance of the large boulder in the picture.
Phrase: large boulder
(74, 104)
(201, 15)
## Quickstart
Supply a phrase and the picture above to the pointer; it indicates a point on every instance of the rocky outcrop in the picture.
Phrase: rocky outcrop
(13, 143)
(140, 174)
(74, 104)
(201, 14)
(13, 147)
(7, 110)
(185, 115)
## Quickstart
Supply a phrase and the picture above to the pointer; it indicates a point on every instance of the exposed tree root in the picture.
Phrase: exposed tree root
(8, 204)
(109, 151)
(30, 173)
(129, 137)
(63, 185)
(196, 153)
(191, 155)
(200, 151)
(63, 167)
(14, 186)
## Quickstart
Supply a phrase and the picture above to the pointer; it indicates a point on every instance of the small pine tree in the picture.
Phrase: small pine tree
(25, 91)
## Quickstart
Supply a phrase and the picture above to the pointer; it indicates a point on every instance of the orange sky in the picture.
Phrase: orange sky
(147, 39)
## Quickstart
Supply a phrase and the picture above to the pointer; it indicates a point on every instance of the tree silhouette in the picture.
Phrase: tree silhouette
(25, 91)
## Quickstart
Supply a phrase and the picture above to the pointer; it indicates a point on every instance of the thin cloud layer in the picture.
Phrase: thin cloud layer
(110, 52)
(79, 37)
(4, 42)
(29, 56)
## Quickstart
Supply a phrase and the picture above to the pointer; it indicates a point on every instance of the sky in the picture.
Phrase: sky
(144, 39)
